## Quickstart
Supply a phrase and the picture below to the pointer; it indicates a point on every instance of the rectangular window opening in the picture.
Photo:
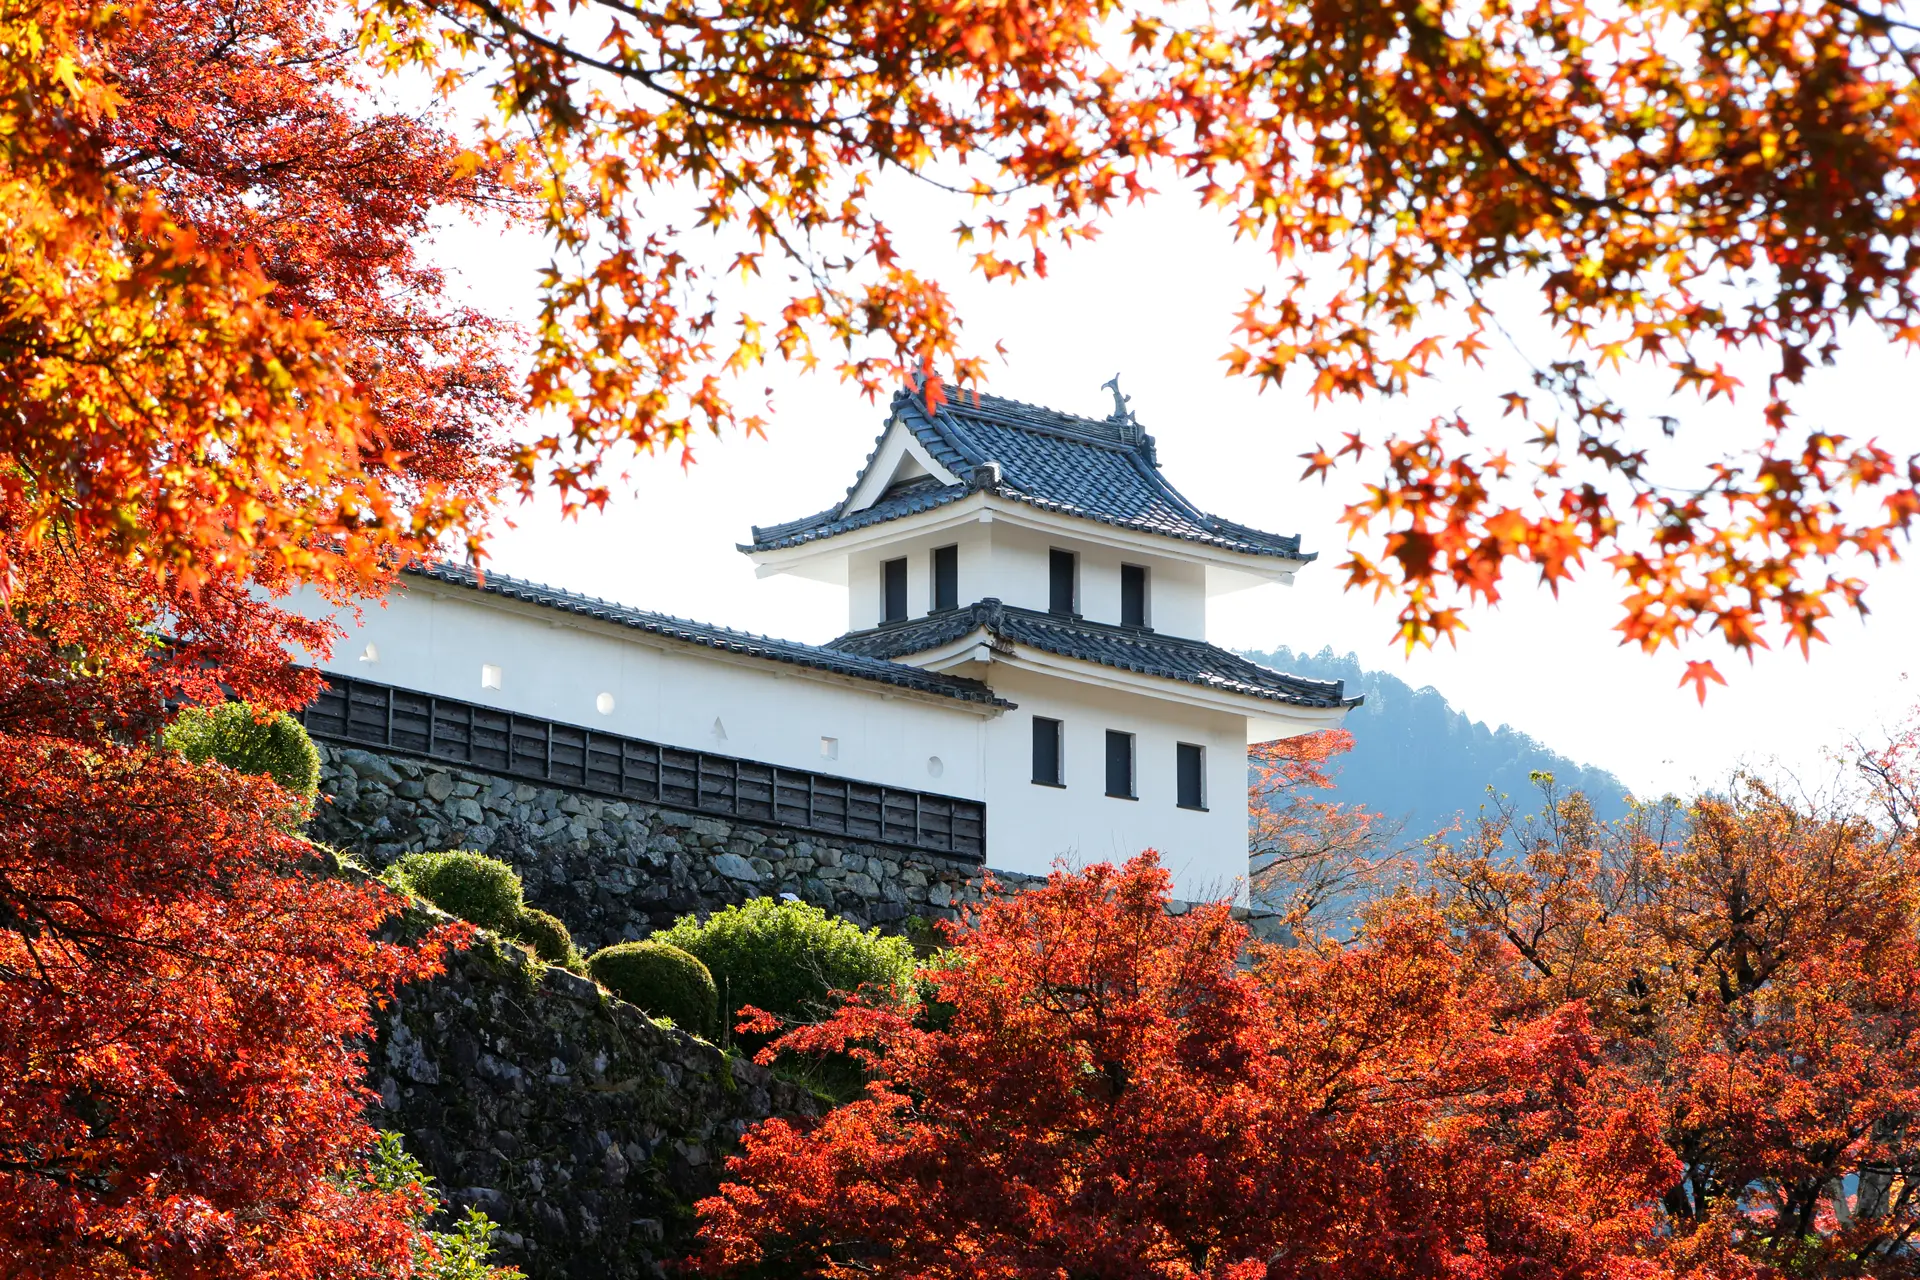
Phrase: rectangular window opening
(1063, 574)
(1046, 752)
(1120, 765)
(946, 578)
(1133, 595)
(893, 591)
(489, 676)
(1190, 775)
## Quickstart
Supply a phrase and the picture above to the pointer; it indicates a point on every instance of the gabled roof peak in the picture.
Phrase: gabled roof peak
(1105, 470)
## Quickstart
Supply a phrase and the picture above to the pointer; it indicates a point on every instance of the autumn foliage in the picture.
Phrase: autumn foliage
(1686, 1045)
(225, 372)
(222, 353)
(1310, 858)
(182, 995)
(1665, 186)
(1754, 961)
(179, 1007)
(1115, 1094)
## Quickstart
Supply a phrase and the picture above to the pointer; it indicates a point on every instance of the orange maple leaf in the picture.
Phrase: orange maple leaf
(1697, 675)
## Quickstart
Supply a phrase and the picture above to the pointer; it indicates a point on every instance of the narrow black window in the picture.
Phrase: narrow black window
(1120, 764)
(946, 578)
(1063, 568)
(1190, 775)
(893, 591)
(1133, 595)
(1046, 752)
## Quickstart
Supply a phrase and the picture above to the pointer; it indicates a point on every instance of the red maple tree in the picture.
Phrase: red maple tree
(1398, 164)
(1660, 183)
(1115, 1094)
(181, 1001)
(226, 372)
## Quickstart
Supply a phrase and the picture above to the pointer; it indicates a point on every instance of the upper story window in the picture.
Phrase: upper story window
(1190, 775)
(946, 578)
(1133, 595)
(1120, 765)
(893, 591)
(1063, 582)
(1046, 753)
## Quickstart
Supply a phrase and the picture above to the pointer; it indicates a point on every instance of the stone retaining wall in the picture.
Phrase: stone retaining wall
(615, 870)
(583, 1128)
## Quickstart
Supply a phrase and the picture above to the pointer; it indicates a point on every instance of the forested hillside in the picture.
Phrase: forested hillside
(1415, 757)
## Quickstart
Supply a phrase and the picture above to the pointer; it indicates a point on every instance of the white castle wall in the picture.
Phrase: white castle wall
(1003, 560)
(437, 639)
(1029, 826)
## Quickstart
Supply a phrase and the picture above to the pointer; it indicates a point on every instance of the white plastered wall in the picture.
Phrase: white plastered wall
(1020, 575)
(864, 601)
(437, 639)
(1029, 826)
(1001, 559)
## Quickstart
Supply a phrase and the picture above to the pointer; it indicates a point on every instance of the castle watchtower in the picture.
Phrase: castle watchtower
(1045, 555)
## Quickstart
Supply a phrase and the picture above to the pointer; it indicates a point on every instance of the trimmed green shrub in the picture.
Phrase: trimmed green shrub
(663, 980)
(482, 890)
(785, 957)
(277, 747)
(547, 935)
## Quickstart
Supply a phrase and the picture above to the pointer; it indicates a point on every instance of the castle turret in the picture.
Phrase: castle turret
(1046, 555)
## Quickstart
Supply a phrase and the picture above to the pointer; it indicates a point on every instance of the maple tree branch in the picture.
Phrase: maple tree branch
(559, 48)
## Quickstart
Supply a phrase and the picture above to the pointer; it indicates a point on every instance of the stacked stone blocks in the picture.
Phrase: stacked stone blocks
(615, 870)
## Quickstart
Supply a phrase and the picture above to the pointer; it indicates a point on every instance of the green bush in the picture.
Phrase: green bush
(479, 889)
(663, 980)
(785, 957)
(459, 1254)
(548, 937)
(277, 747)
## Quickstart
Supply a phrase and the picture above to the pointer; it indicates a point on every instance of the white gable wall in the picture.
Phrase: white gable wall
(1029, 825)
(436, 639)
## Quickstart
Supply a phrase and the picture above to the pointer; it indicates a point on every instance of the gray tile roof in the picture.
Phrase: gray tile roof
(817, 657)
(1127, 648)
(1103, 470)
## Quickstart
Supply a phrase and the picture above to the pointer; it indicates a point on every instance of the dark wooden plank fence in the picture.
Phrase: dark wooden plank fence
(366, 714)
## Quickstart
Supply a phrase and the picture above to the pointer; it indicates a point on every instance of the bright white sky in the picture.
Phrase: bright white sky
(1154, 300)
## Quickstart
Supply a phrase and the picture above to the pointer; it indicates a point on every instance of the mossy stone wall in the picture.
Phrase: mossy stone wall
(579, 1125)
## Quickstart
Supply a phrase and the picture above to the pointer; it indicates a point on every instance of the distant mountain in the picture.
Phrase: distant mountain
(1415, 757)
